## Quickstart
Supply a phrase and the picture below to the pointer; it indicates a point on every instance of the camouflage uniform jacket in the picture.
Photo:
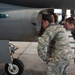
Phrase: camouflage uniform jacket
(56, 38)
(73, 34)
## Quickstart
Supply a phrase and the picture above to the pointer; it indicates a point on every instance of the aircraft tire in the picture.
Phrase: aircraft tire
(18, 68)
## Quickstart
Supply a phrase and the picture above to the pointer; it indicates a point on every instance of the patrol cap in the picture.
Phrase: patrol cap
(47, 17)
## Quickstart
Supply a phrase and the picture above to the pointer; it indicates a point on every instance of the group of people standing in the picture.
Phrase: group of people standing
(58, 53)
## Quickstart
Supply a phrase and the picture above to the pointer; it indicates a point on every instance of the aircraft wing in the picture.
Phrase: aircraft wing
(62, 4)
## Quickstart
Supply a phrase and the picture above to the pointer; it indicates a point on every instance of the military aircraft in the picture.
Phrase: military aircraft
(21, 19)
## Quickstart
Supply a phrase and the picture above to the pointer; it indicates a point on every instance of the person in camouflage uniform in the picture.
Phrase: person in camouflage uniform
(70, 25)
(58, 54)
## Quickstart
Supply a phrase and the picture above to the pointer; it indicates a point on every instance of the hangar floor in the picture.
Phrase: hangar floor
(33, 65)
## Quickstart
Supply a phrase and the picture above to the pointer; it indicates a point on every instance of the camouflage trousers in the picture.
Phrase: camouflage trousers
(57, 67)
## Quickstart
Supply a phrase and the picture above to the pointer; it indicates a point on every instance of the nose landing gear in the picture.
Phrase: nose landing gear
(17, 67)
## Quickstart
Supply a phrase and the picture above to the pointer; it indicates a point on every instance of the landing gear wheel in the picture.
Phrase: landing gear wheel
(18, 68)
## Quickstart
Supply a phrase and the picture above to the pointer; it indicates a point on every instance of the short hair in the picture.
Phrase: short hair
(70, 20)
(47, 17)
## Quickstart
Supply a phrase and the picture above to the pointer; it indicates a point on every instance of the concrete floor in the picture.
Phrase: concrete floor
(33, 65)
